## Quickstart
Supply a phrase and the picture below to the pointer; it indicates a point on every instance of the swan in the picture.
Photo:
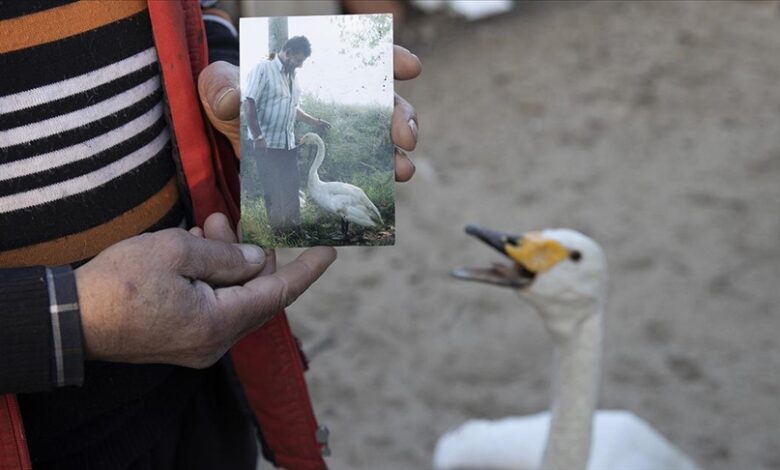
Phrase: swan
(562, 274)
(347, 201)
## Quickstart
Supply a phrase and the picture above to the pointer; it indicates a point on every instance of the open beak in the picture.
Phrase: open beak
(530, 254)
(513, 275)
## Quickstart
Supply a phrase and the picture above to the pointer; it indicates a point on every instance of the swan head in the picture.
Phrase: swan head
(311, 138)
(560, 271)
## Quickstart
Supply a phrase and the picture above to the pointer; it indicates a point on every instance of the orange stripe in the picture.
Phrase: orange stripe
(67, 20)
(92, 241)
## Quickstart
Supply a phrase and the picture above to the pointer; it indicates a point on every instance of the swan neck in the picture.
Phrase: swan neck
(576, 382)
(314, 177)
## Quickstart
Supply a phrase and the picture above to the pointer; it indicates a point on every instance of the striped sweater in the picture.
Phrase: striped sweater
(85, 162)
(85, 158)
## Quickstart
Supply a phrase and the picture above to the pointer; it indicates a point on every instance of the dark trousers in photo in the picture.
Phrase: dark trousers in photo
(279, 179)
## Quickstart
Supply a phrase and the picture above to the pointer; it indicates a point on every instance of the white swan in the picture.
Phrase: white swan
(562, 273)
(346, 200)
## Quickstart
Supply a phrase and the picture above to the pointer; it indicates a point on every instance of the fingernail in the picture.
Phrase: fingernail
(252, 254)
(413, 127)
(222, 102)
(224, 94)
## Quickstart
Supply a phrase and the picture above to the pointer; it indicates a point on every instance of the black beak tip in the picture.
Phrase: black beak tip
(495, 239)
(473, 229)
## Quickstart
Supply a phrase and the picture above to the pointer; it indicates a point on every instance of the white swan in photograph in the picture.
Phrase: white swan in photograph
(563, 275)
(346, 200)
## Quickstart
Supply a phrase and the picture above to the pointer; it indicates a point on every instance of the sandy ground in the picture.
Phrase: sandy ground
(652, 126)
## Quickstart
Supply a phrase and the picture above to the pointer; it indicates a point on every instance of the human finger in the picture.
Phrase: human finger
(270, 262)
(404, 124)
(270, 254)
(197, 231)
(404, 168)
(261, 298)
(214, 262)
(218, 88)
(405, 64)
(217, 227)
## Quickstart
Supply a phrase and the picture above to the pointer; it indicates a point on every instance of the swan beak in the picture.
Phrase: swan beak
(515, 276)
(532, 254)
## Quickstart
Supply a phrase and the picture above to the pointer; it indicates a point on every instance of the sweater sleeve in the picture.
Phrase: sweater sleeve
(40, 330)
(222, 39)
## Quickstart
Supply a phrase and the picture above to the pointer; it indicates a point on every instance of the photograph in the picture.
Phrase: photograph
(316, 108)
(585, 274)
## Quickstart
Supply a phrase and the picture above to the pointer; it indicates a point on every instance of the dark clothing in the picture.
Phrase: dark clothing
(90, 103)
(165, 428)
(210, 417)
(279, 181)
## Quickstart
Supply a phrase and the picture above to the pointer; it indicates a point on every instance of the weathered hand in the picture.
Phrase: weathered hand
(404, 126)
(172, 297)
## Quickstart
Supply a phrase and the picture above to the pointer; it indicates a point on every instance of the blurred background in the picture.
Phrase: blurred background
(654, 127)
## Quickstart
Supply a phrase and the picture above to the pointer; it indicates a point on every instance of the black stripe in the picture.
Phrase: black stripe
(172, 219)
(75, 55)
(82, 167)
(79, 134)
(15, 8)
(78, 101)
(89, 209)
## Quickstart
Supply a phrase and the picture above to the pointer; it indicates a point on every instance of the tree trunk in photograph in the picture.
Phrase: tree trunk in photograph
(277, 33)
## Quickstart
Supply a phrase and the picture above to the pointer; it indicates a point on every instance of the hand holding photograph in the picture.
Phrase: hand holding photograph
(317, 155)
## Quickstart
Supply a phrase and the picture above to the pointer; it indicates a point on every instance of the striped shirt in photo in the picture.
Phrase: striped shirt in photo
(277, 96)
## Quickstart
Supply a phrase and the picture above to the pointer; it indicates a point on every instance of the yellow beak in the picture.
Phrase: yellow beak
(536, 253)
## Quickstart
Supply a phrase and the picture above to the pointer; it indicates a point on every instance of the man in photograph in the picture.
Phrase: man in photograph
(271, 108)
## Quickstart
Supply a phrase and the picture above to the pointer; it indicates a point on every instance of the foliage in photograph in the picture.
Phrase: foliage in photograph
(357, 150)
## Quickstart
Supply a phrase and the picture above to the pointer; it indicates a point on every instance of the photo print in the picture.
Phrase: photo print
(316, 151)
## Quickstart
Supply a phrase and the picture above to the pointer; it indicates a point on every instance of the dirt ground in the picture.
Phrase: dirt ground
(652, 126)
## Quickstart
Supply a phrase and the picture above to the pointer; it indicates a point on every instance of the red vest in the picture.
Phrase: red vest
(268, 361)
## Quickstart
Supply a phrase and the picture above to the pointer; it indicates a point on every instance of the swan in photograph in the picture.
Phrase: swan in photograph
(346, 200)
(563, 274)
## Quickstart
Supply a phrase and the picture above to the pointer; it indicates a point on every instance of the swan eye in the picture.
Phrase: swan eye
(575, 256)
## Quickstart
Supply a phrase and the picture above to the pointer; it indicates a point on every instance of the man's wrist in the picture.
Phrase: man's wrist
(67, 337)
(40, 329)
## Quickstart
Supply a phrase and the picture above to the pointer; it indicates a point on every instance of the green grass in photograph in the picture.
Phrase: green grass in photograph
(358, 151)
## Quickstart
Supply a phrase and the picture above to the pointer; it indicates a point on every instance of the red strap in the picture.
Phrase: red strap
(277, 393)
(267, 361)
(13, 445)
(180, 65)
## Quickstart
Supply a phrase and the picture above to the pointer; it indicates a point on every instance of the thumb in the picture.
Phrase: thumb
(219, 263)
(218, 88)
